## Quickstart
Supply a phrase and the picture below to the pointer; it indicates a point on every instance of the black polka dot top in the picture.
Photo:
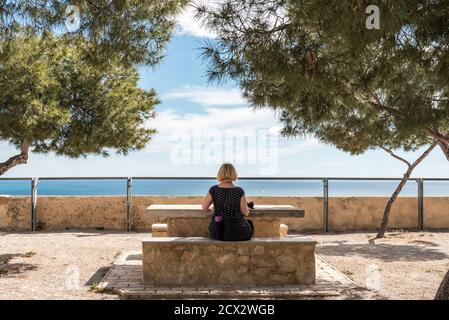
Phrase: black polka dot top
(226, 203)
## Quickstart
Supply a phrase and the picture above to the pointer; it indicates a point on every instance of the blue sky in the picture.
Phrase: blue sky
(201, 124)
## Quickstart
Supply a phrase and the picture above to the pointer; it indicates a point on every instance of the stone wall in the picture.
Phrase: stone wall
(169, 262)
(436, 212)
(109, 212)
(15, 213)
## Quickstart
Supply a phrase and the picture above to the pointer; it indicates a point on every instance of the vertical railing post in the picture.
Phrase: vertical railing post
(128, 203)
(420, 204)
(326, 204)
(34, 185)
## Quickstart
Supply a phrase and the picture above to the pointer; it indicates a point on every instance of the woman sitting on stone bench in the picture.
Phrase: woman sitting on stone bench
(228, 222)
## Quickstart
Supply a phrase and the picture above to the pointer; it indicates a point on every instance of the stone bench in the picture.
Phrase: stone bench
(190, 262)
(193, 221)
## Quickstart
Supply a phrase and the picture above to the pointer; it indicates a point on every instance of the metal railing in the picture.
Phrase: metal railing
(129, 194)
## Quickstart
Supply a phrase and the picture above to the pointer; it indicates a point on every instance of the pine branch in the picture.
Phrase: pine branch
(438, 135)
(19, 159)
(377, 103)
(396, 156)
(424, 155)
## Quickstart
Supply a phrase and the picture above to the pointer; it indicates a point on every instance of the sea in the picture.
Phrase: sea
(181, 187)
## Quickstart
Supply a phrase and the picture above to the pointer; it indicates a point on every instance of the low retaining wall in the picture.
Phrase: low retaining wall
(109, 212)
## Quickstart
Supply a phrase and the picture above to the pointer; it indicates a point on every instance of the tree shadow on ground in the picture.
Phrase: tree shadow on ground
(134, 257)
(8, 269)
(98, 276)
(384, 252)
(80, 233)
(361, 294)
(89, 235)
(425, 243)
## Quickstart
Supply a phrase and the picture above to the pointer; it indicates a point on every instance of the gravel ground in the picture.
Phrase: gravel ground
(47, 265)
(408, 265)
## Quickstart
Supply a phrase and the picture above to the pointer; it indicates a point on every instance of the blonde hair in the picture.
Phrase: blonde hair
(227, 172)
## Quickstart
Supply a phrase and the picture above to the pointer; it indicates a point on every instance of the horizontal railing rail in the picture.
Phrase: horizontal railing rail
(34, 183)
(214, 178)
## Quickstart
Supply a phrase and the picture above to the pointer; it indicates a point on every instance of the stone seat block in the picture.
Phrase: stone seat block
(199, 261)
(283, 230)
(159, 230)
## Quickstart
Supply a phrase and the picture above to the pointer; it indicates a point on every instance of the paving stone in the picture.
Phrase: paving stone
(167, 292)
(188, 292)
(134, 283)
(123, 284)
(202, 292)
(137, 289)
(125, 281)
(216, 292)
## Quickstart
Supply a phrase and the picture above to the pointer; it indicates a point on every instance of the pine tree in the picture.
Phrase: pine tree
(75, 92)
(318, 65)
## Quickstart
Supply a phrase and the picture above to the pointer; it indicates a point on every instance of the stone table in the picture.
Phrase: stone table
(192, 220)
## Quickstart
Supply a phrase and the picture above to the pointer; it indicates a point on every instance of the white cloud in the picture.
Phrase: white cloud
(233, 121)
(240, 135)
(169, 122)
(207, 96)
(188, 25)
(296, 146)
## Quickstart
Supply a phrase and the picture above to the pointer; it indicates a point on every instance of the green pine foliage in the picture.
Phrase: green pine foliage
(52, 97)
(327, 75)
(134, 30)
(75, 92)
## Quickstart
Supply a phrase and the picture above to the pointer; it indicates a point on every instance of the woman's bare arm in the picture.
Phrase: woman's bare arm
(244, 207)
(207, 201)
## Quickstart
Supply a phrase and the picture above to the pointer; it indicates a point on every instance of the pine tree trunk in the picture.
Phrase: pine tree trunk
(442, 139)
(443, 290)
(19, 159)
(394, 196)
